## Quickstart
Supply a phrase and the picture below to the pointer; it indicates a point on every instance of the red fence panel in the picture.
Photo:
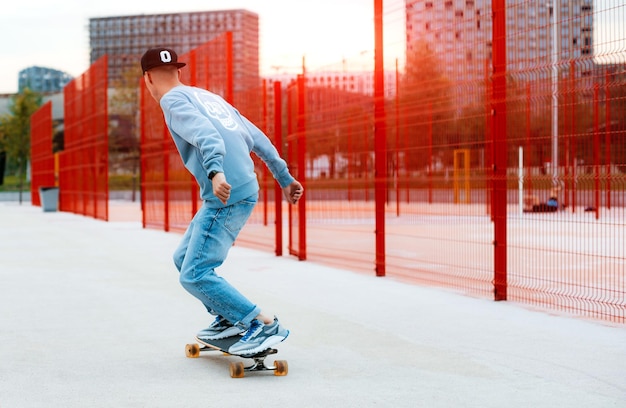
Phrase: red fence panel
(84, 167)
(41, 156)
(564, 139)
(476, 86)
(494, 112)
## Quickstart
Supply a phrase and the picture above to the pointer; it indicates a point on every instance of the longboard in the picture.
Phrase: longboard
(237, 369)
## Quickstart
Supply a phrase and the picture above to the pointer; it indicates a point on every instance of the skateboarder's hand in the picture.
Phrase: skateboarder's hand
(221, 189)
(293, 192)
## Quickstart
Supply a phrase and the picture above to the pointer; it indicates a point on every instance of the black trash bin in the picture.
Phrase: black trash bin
(49, 198)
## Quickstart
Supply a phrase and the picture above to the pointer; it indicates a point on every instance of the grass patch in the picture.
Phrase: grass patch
(116, 183)
(11, 183)
(121, 182)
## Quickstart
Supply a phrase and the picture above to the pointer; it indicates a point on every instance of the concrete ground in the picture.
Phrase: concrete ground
(92, 315)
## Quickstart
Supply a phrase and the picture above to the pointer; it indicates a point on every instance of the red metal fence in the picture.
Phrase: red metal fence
(459, 211)
(84, 162)
(441, 168)
(564, 129)
(41, 156)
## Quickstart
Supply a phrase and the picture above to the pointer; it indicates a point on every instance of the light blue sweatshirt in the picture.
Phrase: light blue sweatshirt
(212, 135)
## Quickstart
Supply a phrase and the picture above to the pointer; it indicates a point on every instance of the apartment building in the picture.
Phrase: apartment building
(125, 38)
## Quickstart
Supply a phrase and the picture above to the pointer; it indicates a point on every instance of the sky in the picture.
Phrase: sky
(324, 32)
(55, 34)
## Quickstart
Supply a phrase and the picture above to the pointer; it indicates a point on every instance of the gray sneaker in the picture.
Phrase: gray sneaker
(219, 329)
(259, 337)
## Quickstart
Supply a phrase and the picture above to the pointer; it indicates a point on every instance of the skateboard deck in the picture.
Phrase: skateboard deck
(237, 369)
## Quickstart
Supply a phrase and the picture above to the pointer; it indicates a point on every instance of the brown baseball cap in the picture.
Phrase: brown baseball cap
(158, 57)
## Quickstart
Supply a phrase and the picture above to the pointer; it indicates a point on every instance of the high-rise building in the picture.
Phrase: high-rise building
(461, 32)
(125, 38)
(355, 82)
(43, 80)
(360, 82)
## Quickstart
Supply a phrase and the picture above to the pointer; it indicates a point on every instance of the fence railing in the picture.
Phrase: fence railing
(84, 162)
(503, 162)
(490, 157)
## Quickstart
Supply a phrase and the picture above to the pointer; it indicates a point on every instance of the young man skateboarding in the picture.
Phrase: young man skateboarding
(214, 141)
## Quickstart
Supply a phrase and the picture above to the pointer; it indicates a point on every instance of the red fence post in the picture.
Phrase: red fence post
(195, 67)
(499, 117)
(290, 154)
(143, 139)
(397, 146)
(278, 142)
(596, 147)
(488, 137)
(380, 139)
(572, 73)
(264, 176)
(301, 130)
(607, 137)
(166, 178)
(229, 68)
(528, 186)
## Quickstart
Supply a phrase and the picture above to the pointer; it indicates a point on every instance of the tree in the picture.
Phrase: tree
(426, 104)
(15, 132)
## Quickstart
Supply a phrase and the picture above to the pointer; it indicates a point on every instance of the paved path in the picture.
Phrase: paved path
(92, 315)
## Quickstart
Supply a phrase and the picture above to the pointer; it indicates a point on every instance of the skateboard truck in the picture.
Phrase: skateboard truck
(238, 369)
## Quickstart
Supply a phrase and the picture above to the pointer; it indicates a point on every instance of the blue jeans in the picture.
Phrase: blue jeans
(204, 247)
